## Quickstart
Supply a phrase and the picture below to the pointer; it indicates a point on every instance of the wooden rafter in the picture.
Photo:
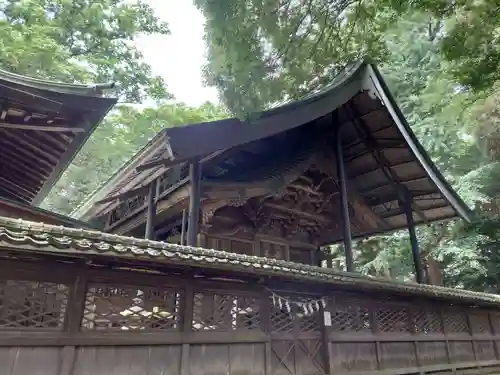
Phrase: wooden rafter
(18, 162)
(25, 154)
(49, 158)
(47, 128)
(385, 165)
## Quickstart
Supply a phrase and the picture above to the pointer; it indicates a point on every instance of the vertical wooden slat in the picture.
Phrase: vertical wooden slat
(265, 324)
(256, 247)
(296, 335)
(67, 360)
(76, 302)
(376, 332)
(493, 333)
(445, 331)
(412, 329)
(186, 311)
(202, 240)
(73, 319)
(469, 327)
(325, 338)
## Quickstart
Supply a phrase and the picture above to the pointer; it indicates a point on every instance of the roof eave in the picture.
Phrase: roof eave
(376, 85)
(78, 142)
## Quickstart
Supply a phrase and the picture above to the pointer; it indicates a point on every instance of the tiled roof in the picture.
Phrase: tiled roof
(43, 238)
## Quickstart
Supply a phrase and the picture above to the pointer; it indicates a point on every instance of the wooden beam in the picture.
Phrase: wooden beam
(295, 211)
(344, 203)
(151, 213)
(194, 203)
(18, 187)
(27, 155)
(183, 227)
(43, 128)
(141, 190)
(415, 251)
(162, 161)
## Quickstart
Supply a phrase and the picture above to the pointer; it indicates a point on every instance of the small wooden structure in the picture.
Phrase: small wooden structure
(267, 194)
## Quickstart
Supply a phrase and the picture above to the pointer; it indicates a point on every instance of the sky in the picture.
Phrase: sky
(179, 57)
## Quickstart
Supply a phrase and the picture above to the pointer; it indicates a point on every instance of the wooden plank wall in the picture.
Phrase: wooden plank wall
(69, 320)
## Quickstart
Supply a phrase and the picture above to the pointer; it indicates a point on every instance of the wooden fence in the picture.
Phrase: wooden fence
(64, 319)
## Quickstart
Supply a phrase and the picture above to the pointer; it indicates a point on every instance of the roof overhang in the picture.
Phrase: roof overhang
(199, 140)
(43, 125)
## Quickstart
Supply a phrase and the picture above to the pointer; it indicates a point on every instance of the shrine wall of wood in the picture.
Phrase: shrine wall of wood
(262, 245)
(69, 319)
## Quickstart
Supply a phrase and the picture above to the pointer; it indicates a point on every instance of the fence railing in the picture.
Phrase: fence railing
(62, 305)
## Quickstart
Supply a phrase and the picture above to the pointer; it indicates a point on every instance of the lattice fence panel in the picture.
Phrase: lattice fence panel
(427, 321)
(308, 320)
(392, 319)
(350, 316)
(479, 322)
(225, 312)
(280, 319)
(29, 304)
(131, 308)
(455, 321)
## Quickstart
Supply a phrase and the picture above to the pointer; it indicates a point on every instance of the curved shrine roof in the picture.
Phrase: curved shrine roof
(381, 153)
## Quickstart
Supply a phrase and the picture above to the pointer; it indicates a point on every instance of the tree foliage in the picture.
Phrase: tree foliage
(81, 41)
(263, 51)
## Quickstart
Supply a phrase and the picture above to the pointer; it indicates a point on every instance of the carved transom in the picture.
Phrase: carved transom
(298, 211)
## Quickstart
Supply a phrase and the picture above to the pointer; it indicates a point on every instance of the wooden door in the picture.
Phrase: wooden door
(296, 342)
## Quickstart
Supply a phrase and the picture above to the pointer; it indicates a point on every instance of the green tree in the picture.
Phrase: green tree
(81, 41)
(264, 51)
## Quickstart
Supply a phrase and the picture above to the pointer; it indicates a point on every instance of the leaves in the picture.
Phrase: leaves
(81, 41)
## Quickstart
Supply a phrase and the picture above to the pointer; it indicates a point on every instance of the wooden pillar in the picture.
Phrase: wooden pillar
(415, 251)
(194, 202)
(344, 203)
(183, 228)
(151, 214)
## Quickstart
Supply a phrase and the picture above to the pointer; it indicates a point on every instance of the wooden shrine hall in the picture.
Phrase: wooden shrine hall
(251, 294)
(338, 165)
